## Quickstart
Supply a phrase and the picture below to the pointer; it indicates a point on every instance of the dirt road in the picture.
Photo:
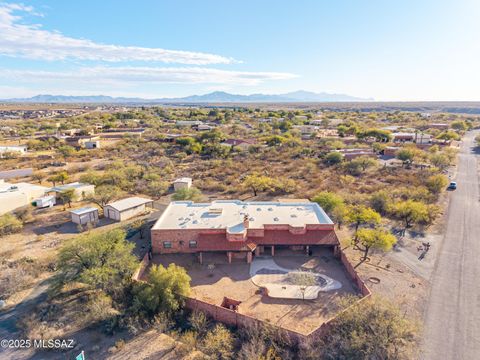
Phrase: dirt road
(452, 320)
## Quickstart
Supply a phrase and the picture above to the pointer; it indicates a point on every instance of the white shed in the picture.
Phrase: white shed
(127, 208)
(84, 215)
(182, 183)
(45, 201)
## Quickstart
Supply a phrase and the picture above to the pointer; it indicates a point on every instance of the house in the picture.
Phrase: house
(81, 190)
(127, 208)
(189, 123)
(182, 183)
(239, 143)
(242, 229)
(45, 201)
(80, 141)
(391, 151)
(14, 196)
(204, 127)
(350, 154)
(414, 137)
(85, 215)
(439, 126)
(19, 150)
(92, 144)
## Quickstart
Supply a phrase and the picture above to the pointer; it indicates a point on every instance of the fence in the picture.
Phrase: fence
(233, 318)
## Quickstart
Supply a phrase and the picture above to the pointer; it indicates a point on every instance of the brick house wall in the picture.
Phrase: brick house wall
(179, 240)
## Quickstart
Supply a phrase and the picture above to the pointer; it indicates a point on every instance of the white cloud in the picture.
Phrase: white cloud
(31, 41)
(127, 75)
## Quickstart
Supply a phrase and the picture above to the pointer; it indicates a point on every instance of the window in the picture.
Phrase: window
(192, 244)
(167, 244)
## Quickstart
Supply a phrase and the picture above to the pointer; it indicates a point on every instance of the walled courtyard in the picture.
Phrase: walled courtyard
(216, 279)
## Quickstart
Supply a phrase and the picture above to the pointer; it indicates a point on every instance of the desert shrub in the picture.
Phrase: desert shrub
(219, 343)
(373, 329)
(9, 224)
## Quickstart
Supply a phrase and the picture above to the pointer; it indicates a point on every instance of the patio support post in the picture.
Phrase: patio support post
(273, 250)
(200, 257)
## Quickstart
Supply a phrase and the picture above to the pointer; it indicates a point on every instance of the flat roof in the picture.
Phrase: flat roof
(6, 187)
(84, 210)
(129, 203)
(74, 185)
(183, 180)
(229, 214)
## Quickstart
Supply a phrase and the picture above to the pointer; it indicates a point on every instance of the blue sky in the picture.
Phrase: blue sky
(383, 49)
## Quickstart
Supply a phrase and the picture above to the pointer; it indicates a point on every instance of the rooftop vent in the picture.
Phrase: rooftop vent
(293, 215)
(259, 209)
(270, 209)
(275, 219)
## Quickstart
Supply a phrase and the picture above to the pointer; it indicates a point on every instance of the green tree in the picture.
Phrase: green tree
(257, 183)
(105, 194)
(406, 155)
(362, 215)
(192, 194)
(164, 290)
(328, 200)
(65, 151)
(459, 125)
(411, 211)
(374, 239)
(380, 201)
(439, 160)
(333, 158)
(100, 261)
(67, 196)
(448, 136)
(437, 183)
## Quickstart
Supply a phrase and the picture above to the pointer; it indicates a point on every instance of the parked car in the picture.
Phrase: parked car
(453, 185)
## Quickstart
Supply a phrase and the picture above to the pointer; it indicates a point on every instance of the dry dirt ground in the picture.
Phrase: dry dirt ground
(212, 284)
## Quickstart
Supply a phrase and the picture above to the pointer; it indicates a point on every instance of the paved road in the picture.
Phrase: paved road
(452, 321)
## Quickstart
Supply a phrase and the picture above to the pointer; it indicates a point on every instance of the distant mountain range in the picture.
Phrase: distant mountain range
(213, 97)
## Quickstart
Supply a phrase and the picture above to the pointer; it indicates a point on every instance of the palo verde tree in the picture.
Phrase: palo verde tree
(164, 290)
(101, 261)
(374, 239)
(411, 212)
(257, 183)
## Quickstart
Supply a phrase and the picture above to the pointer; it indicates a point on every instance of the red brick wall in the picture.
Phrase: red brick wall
(353, 275)
(141, 268)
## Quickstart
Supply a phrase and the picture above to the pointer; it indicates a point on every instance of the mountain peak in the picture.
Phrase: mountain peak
(212, 97)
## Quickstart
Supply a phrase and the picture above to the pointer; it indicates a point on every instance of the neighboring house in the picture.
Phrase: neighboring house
(350, 154)
(45, 201)
(14, 196)
(238, 143)
(204, 127)
(80, 141)
(391, 151)
(127, 208)
(188, 123)
(242, 229)
(81, 190)
(95, 144)
(85, 215)
(20, 150)
(182, 183)
(439, 126)
(417, 138)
